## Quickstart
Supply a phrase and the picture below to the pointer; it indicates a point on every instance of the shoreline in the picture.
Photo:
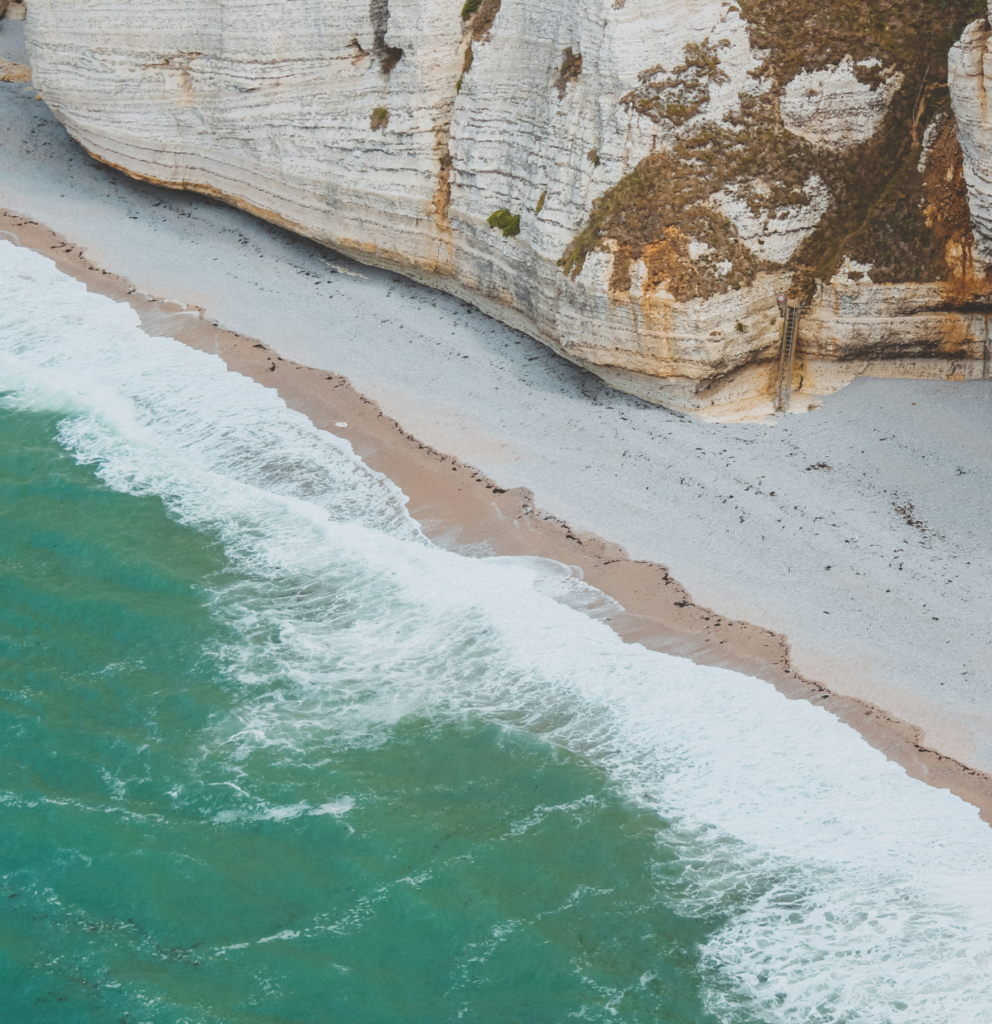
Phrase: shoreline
(459, 507)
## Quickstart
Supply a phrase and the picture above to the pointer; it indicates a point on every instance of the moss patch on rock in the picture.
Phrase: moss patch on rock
(879, 212)
(808, 34)
(882, 210)
(654, 213)
(684, 92)
(479, 16)
(380, 118)
(505, 221)
(906, 232)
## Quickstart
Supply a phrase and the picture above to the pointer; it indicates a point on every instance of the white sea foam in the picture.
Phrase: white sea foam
(851, 893)
(255, 811)
(335, 807)
(282, 936)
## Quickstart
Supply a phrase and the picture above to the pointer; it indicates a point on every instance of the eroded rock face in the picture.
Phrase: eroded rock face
(835, 109)
(970, 81)
(674, 164)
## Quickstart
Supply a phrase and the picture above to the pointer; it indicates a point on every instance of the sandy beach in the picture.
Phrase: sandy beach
(844, 553)
(473, 514)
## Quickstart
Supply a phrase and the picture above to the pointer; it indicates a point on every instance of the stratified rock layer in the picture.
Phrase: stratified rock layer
(674, 164)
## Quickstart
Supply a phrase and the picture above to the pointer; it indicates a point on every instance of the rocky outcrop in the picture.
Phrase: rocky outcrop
(970, 80)
(15, 10)
(629, 181)
(10, 71)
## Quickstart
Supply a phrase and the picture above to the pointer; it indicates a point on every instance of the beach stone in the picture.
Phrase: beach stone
(12, 72)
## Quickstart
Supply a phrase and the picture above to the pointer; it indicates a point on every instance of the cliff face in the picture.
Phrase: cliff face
(629, 181)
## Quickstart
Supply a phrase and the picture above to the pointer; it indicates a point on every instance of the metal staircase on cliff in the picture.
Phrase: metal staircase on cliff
(790, 313)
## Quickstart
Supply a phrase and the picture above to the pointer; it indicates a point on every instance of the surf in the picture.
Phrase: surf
(841, 889)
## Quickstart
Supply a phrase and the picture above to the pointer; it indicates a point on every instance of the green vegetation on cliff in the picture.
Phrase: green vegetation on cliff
(506, 222)
(882, 210)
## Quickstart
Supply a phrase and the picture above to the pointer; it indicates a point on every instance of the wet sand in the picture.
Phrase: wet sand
(459, 507)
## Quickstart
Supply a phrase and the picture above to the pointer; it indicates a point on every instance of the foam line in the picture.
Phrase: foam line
(850, 892)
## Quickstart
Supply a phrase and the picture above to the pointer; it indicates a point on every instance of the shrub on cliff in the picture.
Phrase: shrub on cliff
(507, 222)
(479, 16)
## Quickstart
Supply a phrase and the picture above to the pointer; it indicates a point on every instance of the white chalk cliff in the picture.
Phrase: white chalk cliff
(674, 164)
(970, 78)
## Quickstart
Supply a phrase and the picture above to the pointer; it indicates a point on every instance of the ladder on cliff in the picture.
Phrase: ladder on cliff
(790, 312)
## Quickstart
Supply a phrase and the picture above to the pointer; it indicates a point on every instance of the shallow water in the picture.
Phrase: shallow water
(269, 755)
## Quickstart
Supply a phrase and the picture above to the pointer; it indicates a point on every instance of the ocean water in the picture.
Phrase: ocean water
(267, 754)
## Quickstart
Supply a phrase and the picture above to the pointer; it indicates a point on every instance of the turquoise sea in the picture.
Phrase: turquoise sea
(268, 755)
